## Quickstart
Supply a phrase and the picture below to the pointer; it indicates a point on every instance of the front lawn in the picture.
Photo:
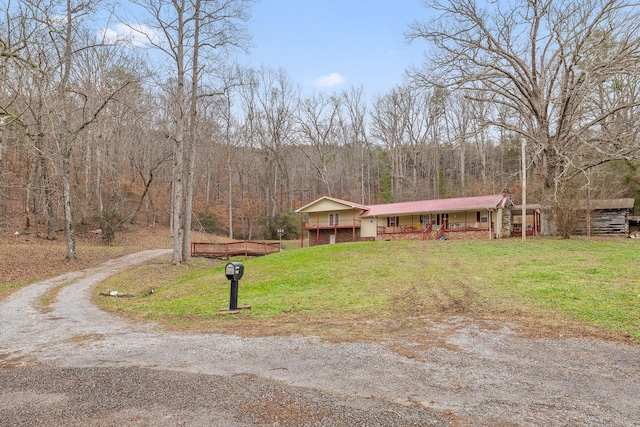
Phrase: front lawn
(379, 289)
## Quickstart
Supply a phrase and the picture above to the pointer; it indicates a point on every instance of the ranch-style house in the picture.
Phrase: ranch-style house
(329, 220)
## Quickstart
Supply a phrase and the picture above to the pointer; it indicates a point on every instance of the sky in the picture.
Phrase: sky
(323, 45)
(330, 45)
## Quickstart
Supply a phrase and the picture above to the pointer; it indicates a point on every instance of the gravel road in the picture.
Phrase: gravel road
(73, 364)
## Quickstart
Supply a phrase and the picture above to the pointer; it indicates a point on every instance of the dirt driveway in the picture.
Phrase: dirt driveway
(73, 364)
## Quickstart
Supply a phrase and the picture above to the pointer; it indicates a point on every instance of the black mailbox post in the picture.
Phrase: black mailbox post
(234, 272)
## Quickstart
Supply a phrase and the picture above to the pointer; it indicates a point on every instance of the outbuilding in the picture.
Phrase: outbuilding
(608, 217)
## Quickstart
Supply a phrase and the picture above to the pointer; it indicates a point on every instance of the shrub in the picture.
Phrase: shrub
(110, 222)
(208, 223)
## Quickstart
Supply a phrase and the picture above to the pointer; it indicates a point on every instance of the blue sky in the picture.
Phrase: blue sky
(335, 44)
(323, 45)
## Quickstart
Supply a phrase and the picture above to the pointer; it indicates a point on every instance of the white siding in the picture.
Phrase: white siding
(368, 227)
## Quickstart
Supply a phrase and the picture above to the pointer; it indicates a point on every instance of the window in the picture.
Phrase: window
(334, 219)
(393, 221)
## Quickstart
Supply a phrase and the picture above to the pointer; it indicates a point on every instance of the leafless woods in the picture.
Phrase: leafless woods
(161, 126)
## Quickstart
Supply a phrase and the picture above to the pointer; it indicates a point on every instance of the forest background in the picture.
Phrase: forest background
(164, 127)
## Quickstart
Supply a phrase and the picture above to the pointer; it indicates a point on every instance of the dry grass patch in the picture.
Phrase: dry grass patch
(28, 258)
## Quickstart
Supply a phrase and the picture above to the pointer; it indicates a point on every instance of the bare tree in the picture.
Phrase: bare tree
(248, 124)
(544, 60)
(356, 135)
(404, 121)
(56, 108)
(277, 100)
(23, 92)
(318, 118)
(194, 35)
(388, 127)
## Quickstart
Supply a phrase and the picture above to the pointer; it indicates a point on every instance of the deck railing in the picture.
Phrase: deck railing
(342, 223)
(226, 250)
(420, 228)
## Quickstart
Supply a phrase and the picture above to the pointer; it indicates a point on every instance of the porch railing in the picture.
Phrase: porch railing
(415, 228)
(342, 223)
(420, 228)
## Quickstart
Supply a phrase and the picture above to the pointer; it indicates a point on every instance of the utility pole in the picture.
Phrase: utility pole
(524, 191)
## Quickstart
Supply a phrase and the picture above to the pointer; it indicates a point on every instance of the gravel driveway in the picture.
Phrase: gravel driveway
(76, 365)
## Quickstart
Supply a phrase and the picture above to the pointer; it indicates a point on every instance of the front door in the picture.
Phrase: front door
(332, 239)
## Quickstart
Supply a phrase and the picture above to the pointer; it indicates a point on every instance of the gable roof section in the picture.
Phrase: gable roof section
(345, 203)
(607, 204)
(440, 205)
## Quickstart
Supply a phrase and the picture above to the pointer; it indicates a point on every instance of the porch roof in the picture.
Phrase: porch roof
(440, 205)
(531, 207)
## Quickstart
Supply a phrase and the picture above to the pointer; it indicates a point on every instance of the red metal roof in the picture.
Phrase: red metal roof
(440, 205)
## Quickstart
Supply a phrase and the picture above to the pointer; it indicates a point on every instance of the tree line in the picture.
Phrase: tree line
(163, 127)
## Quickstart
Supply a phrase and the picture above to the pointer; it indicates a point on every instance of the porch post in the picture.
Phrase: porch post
(353, 226)
(533, 220)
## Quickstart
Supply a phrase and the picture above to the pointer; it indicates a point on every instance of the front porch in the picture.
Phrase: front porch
(335, 230)
(436, 225)
(533, 216)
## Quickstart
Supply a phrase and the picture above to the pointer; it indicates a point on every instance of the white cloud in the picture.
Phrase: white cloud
(138, 35)
(329, 80)
(107, 36)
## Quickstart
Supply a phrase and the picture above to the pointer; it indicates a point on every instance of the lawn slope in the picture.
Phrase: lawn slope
(379, 289)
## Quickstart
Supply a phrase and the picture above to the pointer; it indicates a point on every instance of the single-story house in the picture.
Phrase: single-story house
(329, 220)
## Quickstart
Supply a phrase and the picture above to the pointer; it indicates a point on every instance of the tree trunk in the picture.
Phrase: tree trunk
(46, 185)
(87, 185)
(66, 198)
(177, 200)
(178, 157)
(463, 150)
(99, 179)
(230, 189)
(188, 201)
(3, 175)
(524, 190)
(193, 120)
(64, 137)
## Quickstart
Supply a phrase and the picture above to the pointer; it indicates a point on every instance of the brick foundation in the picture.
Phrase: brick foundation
(449, 235)
(343, 235)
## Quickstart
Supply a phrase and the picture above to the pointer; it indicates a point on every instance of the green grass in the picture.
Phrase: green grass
(593, 282)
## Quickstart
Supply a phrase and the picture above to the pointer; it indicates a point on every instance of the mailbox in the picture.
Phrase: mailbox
(234, 270)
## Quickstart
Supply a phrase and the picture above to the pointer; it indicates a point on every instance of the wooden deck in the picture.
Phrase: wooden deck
(227, 250)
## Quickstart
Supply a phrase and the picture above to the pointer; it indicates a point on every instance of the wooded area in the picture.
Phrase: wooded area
(164, 128)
